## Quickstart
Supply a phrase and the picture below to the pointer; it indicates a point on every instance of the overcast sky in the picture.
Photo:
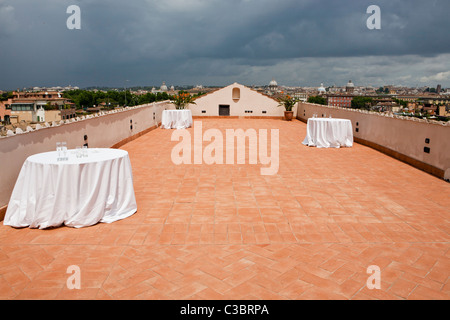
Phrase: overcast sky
(218, 42)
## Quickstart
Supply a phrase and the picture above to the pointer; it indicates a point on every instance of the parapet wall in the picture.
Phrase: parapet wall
(421, 143)
(104, 131)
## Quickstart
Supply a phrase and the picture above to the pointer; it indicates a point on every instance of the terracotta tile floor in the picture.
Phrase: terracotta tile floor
(227, 232)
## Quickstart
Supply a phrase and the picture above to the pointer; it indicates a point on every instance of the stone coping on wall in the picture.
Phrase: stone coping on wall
(54, 124)
(238, 117)
(386, 115)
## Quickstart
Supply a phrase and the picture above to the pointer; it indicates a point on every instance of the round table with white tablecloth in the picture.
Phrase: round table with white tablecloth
(176, 119)
(78, 192)
(329, 133)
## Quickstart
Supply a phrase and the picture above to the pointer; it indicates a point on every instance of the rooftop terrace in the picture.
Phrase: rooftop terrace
(227, 232)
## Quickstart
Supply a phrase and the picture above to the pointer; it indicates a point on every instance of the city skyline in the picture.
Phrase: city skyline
(176, 87)
(299, 43)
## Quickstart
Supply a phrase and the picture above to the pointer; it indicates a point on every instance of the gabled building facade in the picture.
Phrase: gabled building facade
(236, 100)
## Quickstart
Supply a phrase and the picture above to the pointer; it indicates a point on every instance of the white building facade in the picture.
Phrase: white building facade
(236, 100)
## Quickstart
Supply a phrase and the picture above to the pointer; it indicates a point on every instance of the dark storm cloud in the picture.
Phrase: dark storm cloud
(204, 41)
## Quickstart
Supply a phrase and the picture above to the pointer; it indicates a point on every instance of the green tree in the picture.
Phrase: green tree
(362, 102)
(88, 98)
(317, 100)
(6, 95)
(403, 103)
(147, 98)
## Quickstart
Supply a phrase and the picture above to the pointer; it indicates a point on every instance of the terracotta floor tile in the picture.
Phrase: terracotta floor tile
(321, 294)
(235, 238)
(210, 294)
(220, 238)
(424, 293)
(6, 291)
(402, 288)
(38, 293)
(227, 232)
(261, 238)
(295, 289)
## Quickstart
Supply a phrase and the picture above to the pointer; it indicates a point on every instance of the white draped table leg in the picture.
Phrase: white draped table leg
(328, 133)
(176, 119)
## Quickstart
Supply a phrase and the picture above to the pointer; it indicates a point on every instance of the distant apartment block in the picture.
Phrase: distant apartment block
(5, 114)
(43, 106)
(340, 100)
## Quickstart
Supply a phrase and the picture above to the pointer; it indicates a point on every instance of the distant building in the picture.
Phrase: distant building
(42, 106)
(340, 100)
(272, 88)
(350, 87)
(59, 89)
(393, 91)
(387, 106)
(236, 100)
(438, 89)
(321, 90)
(303, 96)
(435, 100)
(273, 85)
(444, 111)
(408, 98)
(162, 88)
(5, 114)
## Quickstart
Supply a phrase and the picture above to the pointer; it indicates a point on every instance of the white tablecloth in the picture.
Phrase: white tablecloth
(176, 119)
(329, 133)
(77, 193)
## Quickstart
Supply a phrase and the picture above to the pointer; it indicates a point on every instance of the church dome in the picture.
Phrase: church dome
(350, 84)
(163, 87)
(322, 88)
(273, 83)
